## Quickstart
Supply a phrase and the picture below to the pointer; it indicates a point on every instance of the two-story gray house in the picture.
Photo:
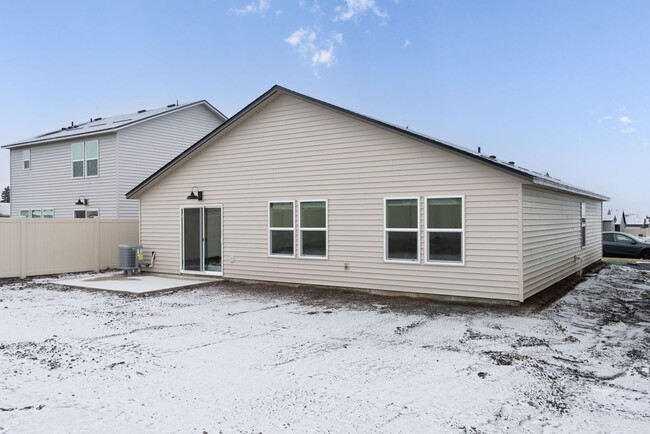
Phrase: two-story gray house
(84, 170)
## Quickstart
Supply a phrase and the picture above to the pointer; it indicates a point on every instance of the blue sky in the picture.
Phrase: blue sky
(556, 86)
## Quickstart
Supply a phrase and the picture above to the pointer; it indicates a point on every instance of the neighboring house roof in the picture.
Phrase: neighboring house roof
(111, 124)
(635, 220)
(613, 215)
(5, 209)
(545, 181)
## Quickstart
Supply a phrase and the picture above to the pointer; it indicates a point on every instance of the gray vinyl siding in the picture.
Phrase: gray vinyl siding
(551, 237)
(291, 149)
(146, 147)
(49, 182)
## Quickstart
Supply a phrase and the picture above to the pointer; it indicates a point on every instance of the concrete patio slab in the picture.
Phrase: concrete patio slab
(144, 283)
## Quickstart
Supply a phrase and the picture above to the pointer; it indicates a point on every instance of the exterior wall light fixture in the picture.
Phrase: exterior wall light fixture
(197, 196)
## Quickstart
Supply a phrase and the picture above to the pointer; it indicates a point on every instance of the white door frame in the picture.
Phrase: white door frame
(203, 244)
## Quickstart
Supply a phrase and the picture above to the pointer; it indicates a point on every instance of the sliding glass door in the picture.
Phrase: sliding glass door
(201, 247)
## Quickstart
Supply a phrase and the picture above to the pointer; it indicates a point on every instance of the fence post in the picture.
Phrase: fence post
(23, 247)
(97, 244)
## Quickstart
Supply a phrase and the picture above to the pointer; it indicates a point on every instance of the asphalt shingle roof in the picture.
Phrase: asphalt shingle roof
(100, 124)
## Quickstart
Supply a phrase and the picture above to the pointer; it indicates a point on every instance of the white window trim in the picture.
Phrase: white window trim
(84, 160)
(181, 240)
(90, 159)
(326, 229)
(29, 159)
(461, 231)
(583, 224)
(292, 229)
(182, 244)
(416, 230)
(29, 212)
(85, 210)
(72, 160)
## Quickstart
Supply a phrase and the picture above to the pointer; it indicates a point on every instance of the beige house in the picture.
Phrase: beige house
(296, 190)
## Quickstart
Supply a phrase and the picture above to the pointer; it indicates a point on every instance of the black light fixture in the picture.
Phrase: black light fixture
(83, 201)
(197, 196)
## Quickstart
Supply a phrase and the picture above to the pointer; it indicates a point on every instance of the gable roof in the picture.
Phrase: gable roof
(545, 181)
(635, 219)
(111, 124)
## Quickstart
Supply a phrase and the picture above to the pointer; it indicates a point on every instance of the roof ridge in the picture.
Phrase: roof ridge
(110, 123)
(536, 178)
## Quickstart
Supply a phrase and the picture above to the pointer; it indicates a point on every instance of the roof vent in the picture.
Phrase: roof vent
(493, 157)
(171, 105)
(512, 163)
(142, 111)
(97, 119)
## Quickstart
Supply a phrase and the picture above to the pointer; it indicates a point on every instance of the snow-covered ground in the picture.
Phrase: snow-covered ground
(230, 357)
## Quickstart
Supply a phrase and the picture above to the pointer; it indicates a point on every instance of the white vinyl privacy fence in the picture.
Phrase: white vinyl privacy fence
(31, 247)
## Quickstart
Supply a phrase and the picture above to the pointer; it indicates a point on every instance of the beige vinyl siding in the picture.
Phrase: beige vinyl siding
(146, 147)
(296, 150)
(639, 232)
(49, 182)
(551, 237)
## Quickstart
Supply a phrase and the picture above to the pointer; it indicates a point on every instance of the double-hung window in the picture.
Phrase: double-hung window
(444, 230)
(401, 230)
(313, 229)
(27, 159)
(78, 160)
(281, 229)
(85, 159)
(583, 224)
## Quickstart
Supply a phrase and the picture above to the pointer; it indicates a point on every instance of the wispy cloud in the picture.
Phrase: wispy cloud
(622, 124)
(302, 39)
(314, 8)
(315, 49)
(352, 9)
(406, 43)
(323, 57)
(255, 7)
(625, 125)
